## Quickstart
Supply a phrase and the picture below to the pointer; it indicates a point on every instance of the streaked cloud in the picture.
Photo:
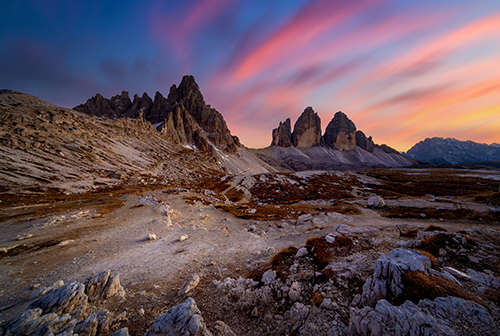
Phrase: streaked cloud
(402, 70)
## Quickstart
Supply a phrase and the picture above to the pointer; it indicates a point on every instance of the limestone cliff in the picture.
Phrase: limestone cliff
(307, 130)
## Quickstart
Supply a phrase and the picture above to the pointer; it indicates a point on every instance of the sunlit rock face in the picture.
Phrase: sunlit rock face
(307, 130)
(340, 133)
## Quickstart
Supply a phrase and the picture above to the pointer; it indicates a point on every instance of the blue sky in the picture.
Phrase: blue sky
(401, 70)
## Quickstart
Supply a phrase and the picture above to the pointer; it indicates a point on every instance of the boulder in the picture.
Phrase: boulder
(68, 299)
(189, 284)
(103, 285)
(222, 329)
(121, 332)
(340, 133)
(427, 318)
(183, 319)
(307, 130)
(375, 202)
(268, 277)
(282, 136)
(386, 281)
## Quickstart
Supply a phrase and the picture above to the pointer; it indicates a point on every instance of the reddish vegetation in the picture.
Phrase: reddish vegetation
(408, 232)
(431, 257)
(433, 243)
(433, 227)
(316, 299)
(419, 286)
(342, 241)
(318, 246)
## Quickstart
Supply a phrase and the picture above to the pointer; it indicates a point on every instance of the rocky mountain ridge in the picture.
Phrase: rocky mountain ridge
(340, 134)
(341, 147)
(453, 151)
(183, 116)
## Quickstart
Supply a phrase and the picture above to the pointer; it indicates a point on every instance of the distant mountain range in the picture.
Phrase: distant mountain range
(453, 151)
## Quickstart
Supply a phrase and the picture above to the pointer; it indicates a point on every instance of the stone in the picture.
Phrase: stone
(484, 279)
(301, 252)
(340, 133)
(189, 284)
(330, 239)
(45, 290)
(298, 313)
(268, 277)
(56, 325)
(307, 130)
(255, 312)
(183, 319)
(328, 304)
(386, 280)
(68, 299)
(222, 329)
(88, 327)
(102, 285)
(121, 332)
(282, 136)
(375, 202)
(183, 237)
(456, 273)
(18, 324)
(149, 236)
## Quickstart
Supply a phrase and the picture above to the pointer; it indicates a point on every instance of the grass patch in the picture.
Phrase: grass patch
(429, 255)
(318, 246)
(433, 228)
(234, 195)
(288, 211)
(438, 241)
(316, 299)
(436, 213)
(419, 286)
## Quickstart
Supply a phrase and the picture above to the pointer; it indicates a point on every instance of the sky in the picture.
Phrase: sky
(402, 70)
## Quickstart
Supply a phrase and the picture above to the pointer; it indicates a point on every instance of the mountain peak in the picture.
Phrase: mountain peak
(183, 116)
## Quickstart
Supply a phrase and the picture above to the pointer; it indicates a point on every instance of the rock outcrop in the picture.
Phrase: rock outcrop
(183, 116)
(387, 278)
(183, 319)
(282, 136)
(340, 133)
(366, 143)
(307, 130)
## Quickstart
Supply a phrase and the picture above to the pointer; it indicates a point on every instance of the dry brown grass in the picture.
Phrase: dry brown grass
(437, 182)
(342, 241)
(433, 243)
(429, 255)
(326, 274)
(287, 211)
(318, 246)
(436, 213)
(234, 195)
(408, 232)
(491, 295)
(419, 286)
(316, 299)
(433, 227)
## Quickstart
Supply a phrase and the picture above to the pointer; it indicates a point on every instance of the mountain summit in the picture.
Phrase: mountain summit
(453, 151)
(183, 116)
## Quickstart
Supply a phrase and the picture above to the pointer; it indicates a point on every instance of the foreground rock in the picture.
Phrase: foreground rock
(184, 319)
(435, 317)
(389, 269)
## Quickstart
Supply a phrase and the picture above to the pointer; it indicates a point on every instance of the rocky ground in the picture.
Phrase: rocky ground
(108, 226)
(327, 265)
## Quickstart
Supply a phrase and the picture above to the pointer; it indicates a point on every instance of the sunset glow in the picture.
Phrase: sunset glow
(401, 70)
